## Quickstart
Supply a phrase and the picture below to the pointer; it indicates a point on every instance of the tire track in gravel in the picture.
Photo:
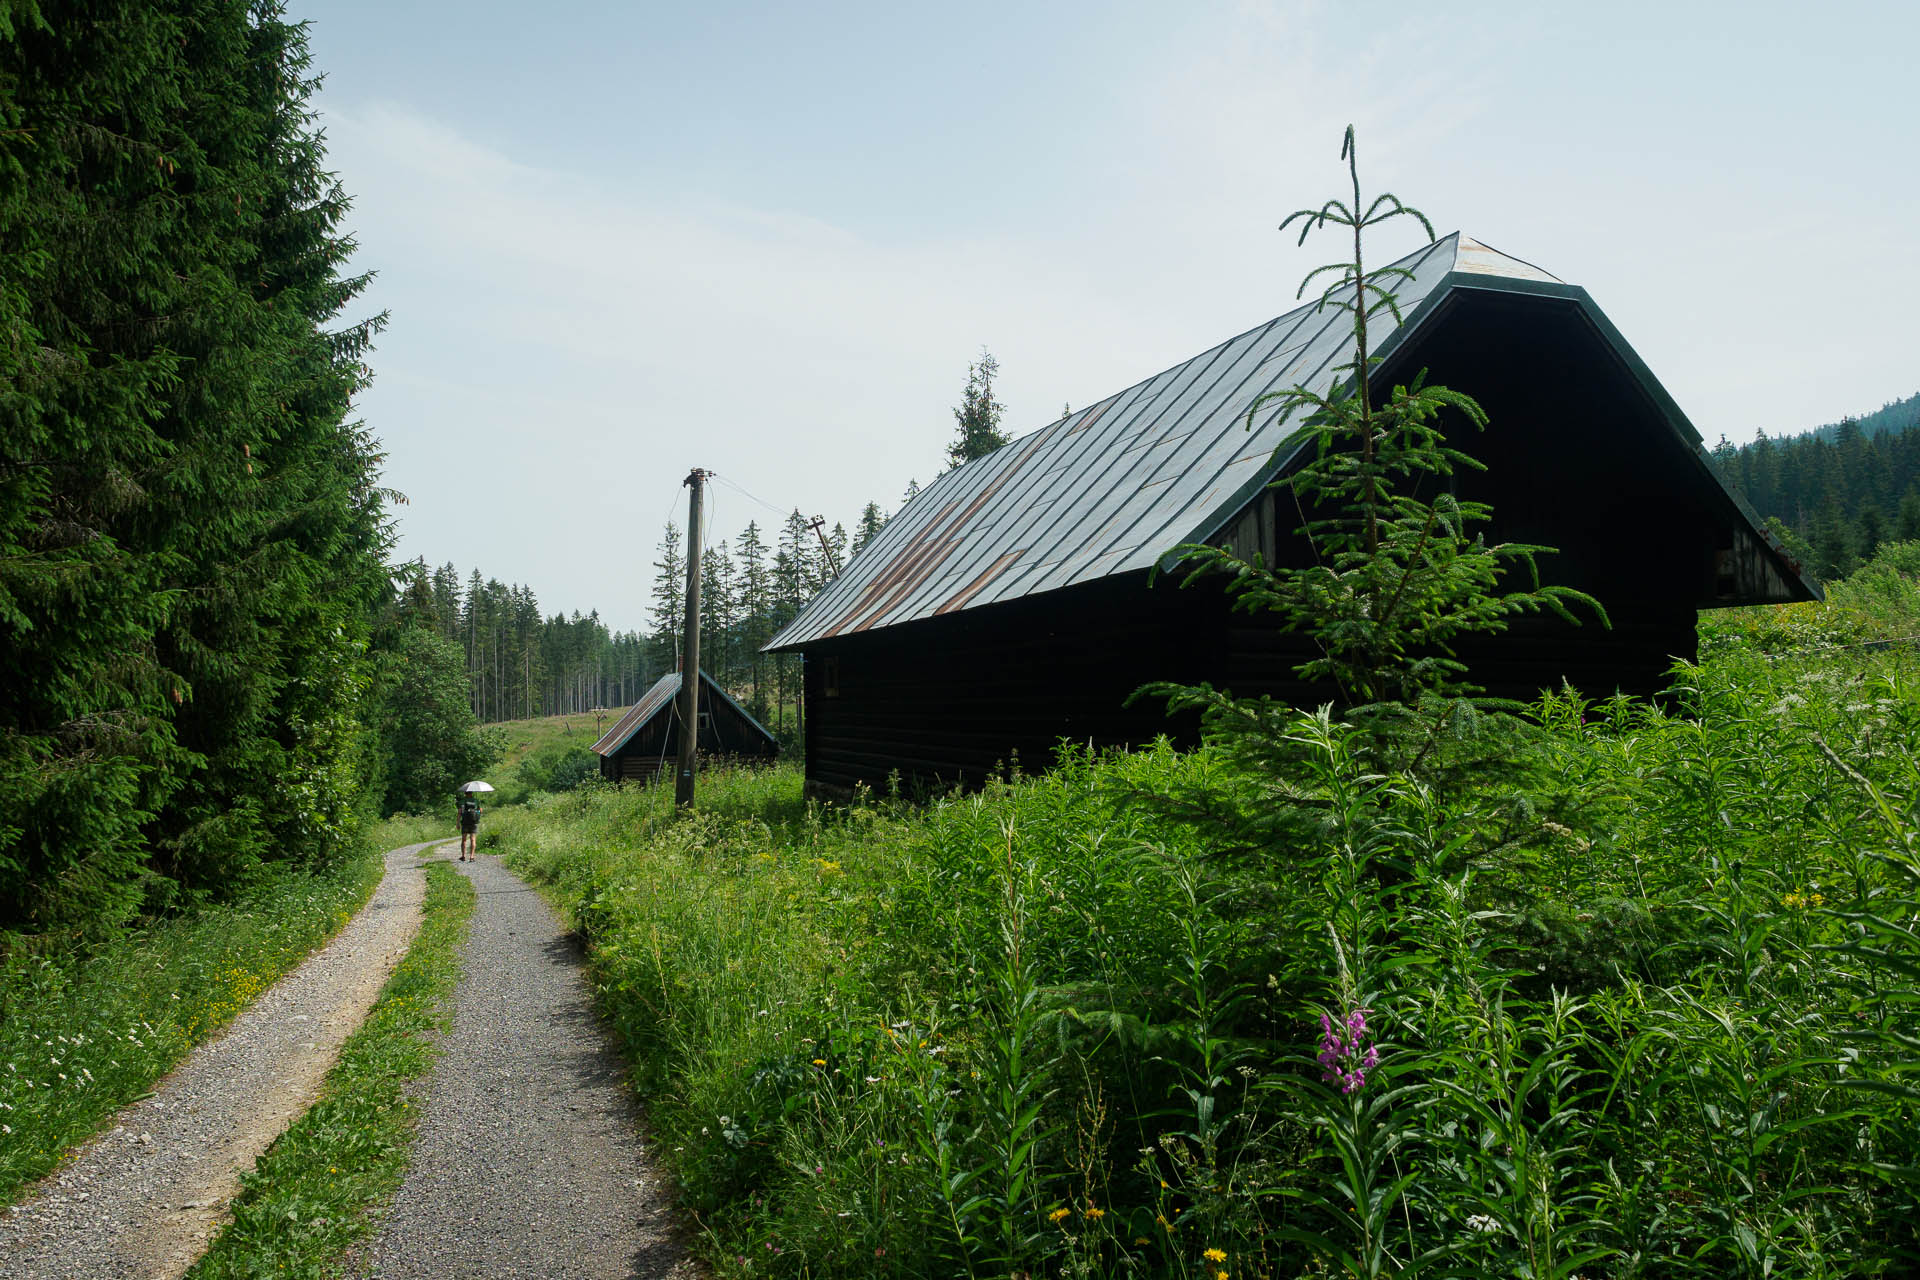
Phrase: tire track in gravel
(142, 1200)
(529, 1160)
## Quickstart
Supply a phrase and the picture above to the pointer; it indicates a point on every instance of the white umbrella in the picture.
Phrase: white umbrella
(475, 786)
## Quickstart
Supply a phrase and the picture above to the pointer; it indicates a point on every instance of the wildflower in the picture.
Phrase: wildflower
(1058, 1214)
(1482, 1222)
(1094, 1214)
(1214, 1255)
(819, 1062)
(1341, 1056)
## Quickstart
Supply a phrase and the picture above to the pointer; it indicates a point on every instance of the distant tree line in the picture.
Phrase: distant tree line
(1893, 416)
(519, 662)
(1836, 497)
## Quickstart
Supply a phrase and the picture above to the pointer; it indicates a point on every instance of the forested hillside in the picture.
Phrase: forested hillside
(1837, 499)
(194, 678)
(1893, 416)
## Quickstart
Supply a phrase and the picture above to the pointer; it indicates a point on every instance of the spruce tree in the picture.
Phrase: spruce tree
(1397, 572)
(977, 418)
(669, 607)
(751, 583)
(872, 520)
(192, 535)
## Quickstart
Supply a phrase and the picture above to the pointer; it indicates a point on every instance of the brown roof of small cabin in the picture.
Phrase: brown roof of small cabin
(660, 698)
(1122, 483)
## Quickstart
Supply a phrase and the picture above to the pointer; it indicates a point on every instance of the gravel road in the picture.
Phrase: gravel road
(142, 1199)
(529, 1160)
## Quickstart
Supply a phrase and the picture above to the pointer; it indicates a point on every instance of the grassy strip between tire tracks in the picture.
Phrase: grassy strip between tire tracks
(309, 1198)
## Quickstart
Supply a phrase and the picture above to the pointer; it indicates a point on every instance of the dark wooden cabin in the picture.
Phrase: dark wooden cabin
(1012, 603)
(646, 740)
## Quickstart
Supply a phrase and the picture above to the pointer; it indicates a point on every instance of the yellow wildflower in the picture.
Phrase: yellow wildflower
(819, 1062)
(1214, 1255)
(1094, 1215)
(1058, 1214)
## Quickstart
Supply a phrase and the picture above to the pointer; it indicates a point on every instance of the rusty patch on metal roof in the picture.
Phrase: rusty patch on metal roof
(1093, 414)
(650, 703)
(965, 597)
(911, 571)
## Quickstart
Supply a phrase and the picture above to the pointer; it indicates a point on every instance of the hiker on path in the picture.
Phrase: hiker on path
(469, 826)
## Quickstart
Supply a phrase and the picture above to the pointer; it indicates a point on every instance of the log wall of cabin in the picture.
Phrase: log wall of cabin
(954, 699)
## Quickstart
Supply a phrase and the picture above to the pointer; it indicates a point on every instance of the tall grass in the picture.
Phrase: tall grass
(1642, 1005)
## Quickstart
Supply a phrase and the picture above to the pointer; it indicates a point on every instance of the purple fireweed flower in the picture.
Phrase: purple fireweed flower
(1345, 1057)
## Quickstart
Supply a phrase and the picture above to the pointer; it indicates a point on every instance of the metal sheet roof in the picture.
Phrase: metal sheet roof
(1118, 485)
(657, 700)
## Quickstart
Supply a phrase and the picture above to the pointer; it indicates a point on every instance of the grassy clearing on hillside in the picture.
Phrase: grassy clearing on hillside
(547, 753)
(308, 1199)
(523, 738)
(82, 1035)
(1643, 1006)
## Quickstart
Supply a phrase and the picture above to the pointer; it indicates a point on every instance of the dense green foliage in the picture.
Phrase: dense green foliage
(309, 1197)
(1638, 1003)
(84, 1034)
(191, 536)
(1838, 495)
(427, 727)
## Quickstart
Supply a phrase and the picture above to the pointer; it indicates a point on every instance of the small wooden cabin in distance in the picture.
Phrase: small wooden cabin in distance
(645, 742)
(1011, 605)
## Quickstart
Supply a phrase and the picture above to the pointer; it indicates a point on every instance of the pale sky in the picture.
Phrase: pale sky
(621, 241)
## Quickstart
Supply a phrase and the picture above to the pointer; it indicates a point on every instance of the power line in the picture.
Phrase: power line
(743, 493)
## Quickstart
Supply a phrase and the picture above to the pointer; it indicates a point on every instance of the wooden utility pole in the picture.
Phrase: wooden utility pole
(826, 552)
(690, 651)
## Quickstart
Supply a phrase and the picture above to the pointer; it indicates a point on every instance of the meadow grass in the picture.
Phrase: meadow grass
(309, 1198)
(85, 1032)
(1637, 1001)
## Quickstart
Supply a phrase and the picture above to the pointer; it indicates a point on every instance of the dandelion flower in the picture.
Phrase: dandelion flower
(1058, 1214)
(1214, 1255)
(819, 1062)
(1095, 1214)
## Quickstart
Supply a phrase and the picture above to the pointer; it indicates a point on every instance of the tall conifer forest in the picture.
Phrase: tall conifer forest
(521, 663)
(1838, 492)
(192, 531)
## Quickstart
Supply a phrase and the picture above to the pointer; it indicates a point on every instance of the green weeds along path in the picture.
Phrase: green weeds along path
(84, 1034)
(1643, 1005)
(308, 1198)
